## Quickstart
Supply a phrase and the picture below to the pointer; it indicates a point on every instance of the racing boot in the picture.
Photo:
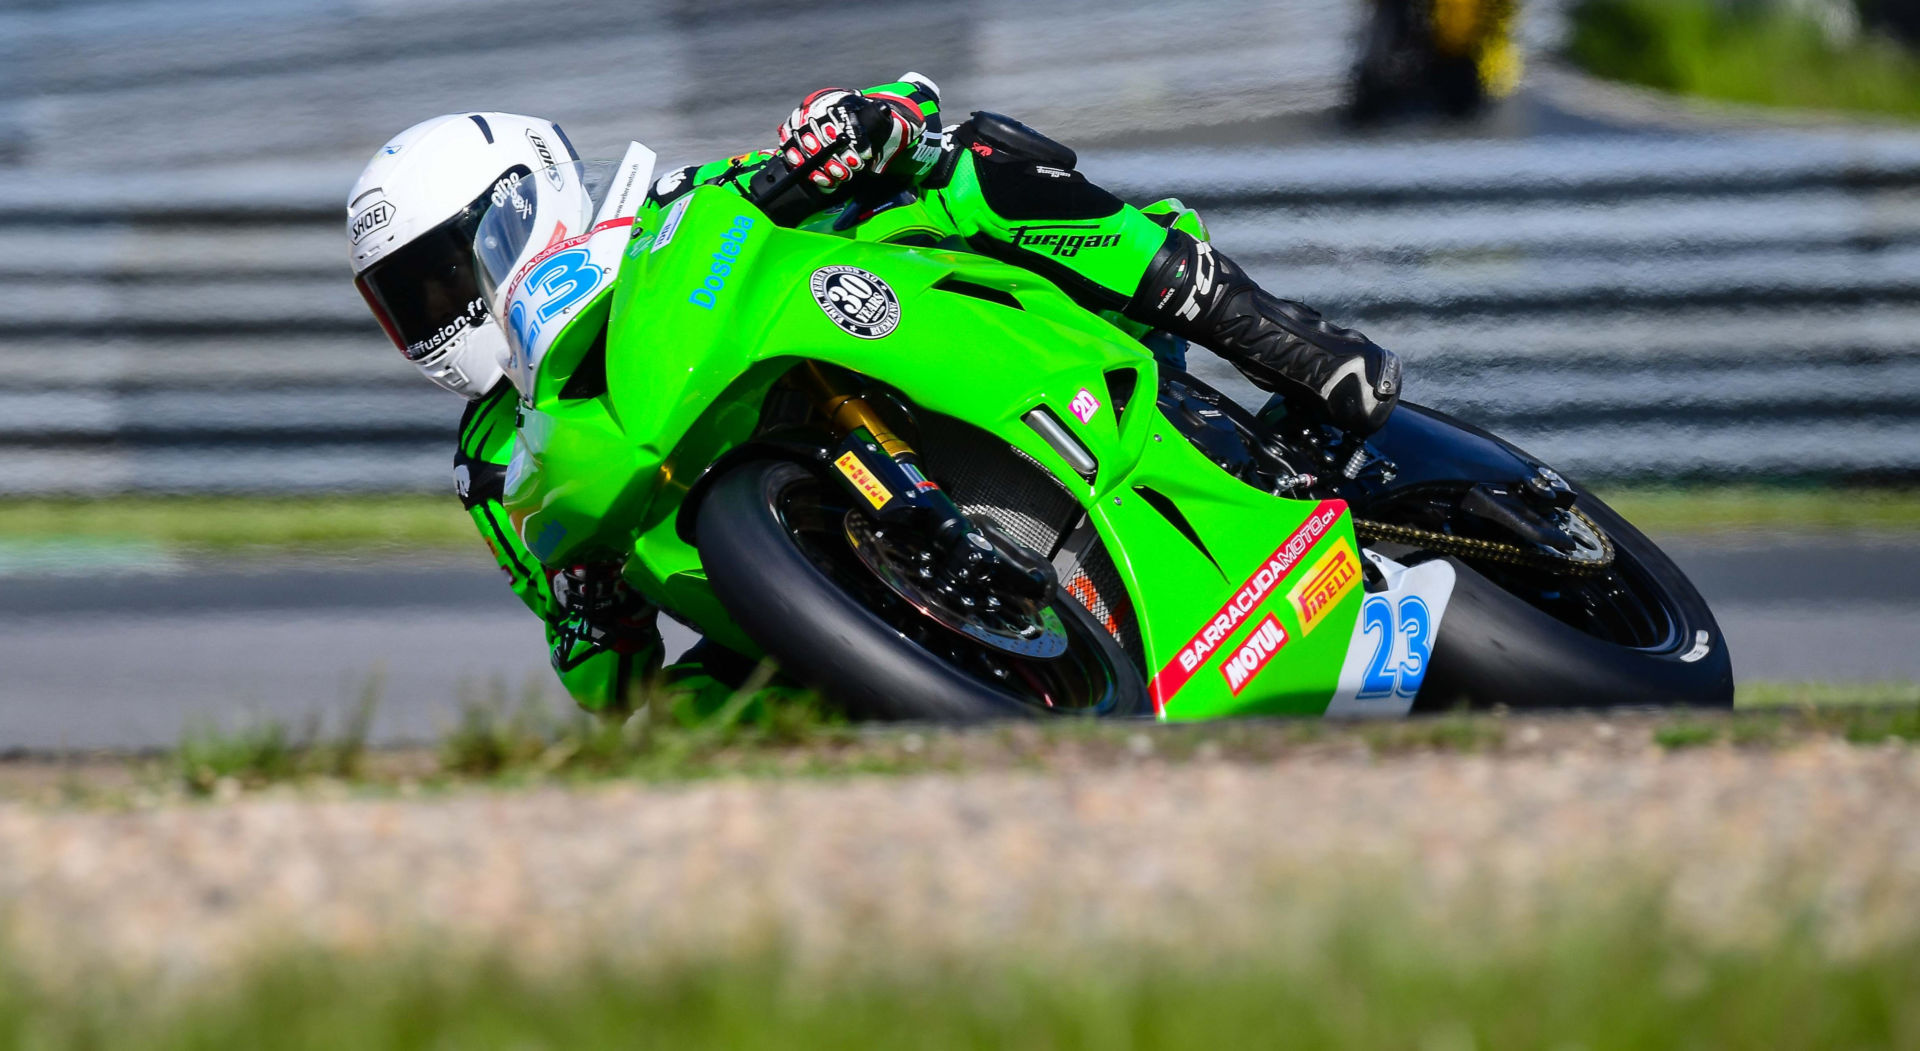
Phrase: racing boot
(1327, 372)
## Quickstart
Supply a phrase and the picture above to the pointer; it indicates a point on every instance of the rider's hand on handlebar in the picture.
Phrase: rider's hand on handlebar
(858, 133)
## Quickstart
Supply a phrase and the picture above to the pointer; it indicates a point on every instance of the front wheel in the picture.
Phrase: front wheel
(773, 539)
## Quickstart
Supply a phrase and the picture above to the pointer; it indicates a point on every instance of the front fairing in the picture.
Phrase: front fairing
(711, 308)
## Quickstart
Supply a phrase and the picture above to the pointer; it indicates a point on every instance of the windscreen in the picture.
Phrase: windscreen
(526, 257)
(525, 213)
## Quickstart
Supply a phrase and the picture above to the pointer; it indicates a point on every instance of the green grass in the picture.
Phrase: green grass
(1379, 973)
(1711, 510)
(1685, 735)
(86, 530)
(1826, 694)
(264, 752)
(757, 731)
(219, 525)
(1756, 53)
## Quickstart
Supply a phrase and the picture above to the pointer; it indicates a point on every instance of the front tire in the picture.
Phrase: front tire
(767, 534)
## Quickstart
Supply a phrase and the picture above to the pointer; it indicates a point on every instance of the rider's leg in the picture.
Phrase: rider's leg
(1015, 195)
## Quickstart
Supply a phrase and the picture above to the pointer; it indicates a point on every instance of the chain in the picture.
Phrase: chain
(1490, 550)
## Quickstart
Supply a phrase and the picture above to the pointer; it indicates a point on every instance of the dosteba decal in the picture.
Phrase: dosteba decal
(722, 265)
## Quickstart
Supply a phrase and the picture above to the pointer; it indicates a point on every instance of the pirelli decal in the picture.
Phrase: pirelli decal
(877, 494)
(1255, 591)
(1329, 581)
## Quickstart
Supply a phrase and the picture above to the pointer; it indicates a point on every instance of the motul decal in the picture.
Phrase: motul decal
(1337, 573)
(1248, 598)
(1252, 655)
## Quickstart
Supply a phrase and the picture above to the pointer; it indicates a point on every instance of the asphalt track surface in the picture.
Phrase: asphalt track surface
(133, 661)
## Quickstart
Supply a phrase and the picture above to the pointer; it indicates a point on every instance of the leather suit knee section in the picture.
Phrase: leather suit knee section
(1326, 371)
(1025, 175)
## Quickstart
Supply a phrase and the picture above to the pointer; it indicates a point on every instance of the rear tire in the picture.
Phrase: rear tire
(823, 635)
(1495, 648)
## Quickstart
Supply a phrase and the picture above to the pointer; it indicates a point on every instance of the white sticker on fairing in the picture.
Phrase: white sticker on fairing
(628, 191)
(670, 223)
(1393, 639)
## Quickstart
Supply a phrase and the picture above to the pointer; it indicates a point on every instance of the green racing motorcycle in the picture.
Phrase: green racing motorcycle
(932, 486)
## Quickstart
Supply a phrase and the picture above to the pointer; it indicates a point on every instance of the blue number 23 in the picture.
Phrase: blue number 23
(1384, 677)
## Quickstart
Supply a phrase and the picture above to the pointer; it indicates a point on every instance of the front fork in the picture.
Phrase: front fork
(882, 474)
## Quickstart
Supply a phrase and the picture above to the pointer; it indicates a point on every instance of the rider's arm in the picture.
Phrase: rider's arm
(597, 679)
(914, 98)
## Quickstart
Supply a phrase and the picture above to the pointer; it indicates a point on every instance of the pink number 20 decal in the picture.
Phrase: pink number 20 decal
(1084, 405)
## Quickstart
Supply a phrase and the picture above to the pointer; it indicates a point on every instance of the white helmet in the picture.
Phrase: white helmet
(410, 225)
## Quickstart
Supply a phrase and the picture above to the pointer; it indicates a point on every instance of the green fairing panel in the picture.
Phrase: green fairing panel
(702, 327)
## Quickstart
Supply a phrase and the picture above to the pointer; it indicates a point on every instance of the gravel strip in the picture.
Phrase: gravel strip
(1735, 842)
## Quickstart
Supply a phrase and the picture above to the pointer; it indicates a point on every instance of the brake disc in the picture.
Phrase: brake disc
(1033, 635)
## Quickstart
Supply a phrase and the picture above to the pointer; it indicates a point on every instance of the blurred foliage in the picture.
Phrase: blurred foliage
(762, 731)
(211, 760)
(1685, 735)
(1597, 967)
(671, 735)
(1771, 54)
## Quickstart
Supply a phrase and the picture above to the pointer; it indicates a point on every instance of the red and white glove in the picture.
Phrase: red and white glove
(861, 134)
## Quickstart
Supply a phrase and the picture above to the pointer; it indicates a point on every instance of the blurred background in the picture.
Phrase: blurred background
(1672, 246)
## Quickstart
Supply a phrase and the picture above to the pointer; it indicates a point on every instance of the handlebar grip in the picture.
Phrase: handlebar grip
(785, 183)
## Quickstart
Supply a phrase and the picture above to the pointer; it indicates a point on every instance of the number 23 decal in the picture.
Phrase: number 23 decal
(1385, 676)
(556, 284)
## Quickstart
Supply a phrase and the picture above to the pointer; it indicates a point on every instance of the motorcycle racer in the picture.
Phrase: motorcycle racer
(411, 217)
(1007, 191)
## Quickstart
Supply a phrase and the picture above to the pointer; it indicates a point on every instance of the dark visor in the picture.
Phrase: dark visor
(426, 294)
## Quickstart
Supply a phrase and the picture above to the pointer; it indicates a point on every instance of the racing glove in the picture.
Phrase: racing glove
(598, 608)
(861, 134)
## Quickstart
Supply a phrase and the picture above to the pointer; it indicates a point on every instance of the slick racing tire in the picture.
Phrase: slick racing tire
(771, 539)
(1496, 648)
